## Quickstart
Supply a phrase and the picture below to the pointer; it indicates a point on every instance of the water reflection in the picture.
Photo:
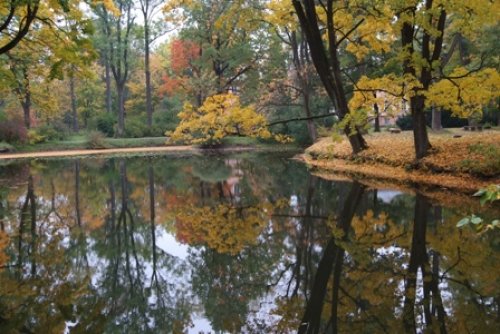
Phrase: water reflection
(233, 244)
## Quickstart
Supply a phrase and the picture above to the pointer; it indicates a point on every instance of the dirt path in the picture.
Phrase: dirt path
(69, 153)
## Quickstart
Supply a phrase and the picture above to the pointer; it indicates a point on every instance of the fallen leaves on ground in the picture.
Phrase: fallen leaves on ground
(391, 156)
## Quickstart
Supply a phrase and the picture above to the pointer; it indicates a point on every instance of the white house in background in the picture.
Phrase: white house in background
(390, 109)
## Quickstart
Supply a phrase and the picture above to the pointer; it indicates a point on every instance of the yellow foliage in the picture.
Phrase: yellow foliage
(4, 242)
(387, 92)
(224, 228)
(219, 116)
(466, 95)
(280, 13)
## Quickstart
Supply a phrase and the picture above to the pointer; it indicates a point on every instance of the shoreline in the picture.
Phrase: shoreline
(389, 160)
(130, 150)
(396, 176)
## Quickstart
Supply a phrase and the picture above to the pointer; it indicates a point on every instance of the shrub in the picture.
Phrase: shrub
(13, 131)
(53, 131)
(96, 140)
(135, 127)
(35, 137)
(219, 116)
(105, 123)
(5, 147)
(405, 122)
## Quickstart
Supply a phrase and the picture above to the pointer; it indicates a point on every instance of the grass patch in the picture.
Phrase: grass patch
(80, 142)
(484, 159)
(135, 142)
(240, 141)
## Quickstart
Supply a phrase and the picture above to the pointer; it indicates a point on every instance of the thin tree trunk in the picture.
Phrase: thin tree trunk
(27, 110)
(107, 74)
(121, 109)
(311, 127)
(149, 104)
(377, 117)
(26, 104)
(74, 113)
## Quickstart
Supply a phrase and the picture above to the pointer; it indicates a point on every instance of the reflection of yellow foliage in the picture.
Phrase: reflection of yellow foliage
(290, 310)
(224, 228)
(4, 242)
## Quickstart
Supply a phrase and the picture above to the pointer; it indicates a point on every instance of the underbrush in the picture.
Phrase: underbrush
(484, 160)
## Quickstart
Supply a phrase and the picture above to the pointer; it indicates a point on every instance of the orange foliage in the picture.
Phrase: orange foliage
(390, 156)
(183, 53)
(182, 56)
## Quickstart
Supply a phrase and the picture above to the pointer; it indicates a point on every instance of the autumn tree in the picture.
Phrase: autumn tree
(16, 18)
(299, 75)
(33, 64)
(222, 30)
(219, 116)
(427, 79)
(327, 18)
(149, 9)
(118, 24)
(183, 72)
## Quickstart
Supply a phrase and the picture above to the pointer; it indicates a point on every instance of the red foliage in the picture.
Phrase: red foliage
(13, 130)
(182, 54)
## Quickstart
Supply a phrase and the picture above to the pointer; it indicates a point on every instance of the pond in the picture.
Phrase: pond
(236, 243)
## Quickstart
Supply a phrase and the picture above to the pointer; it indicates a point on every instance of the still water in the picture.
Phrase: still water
(245, 243)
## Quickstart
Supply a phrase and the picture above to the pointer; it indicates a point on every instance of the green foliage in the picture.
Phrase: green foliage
(489, 194)
(405, 123)
(6, 147)
(484, 160)
(135, 127)
(96, 140)
(105, 123)
(35, 137)
(53, 131)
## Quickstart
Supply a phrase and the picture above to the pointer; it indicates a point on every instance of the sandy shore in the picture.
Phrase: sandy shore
(71, 153)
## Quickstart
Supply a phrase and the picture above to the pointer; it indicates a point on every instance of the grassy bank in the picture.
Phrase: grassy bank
(81, 142)
(459, 160)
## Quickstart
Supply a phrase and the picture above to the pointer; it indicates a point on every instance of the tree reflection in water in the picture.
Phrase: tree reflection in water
(250, 244)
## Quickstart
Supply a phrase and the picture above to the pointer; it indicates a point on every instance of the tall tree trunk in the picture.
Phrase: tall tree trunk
(436, 119)
(26, 103)
(420, 136)
(107, 77)
(326, 62)
(377, 117)
(311, 127)
(149, 103)
(27, 110)
(74, 113)
(120, 88)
